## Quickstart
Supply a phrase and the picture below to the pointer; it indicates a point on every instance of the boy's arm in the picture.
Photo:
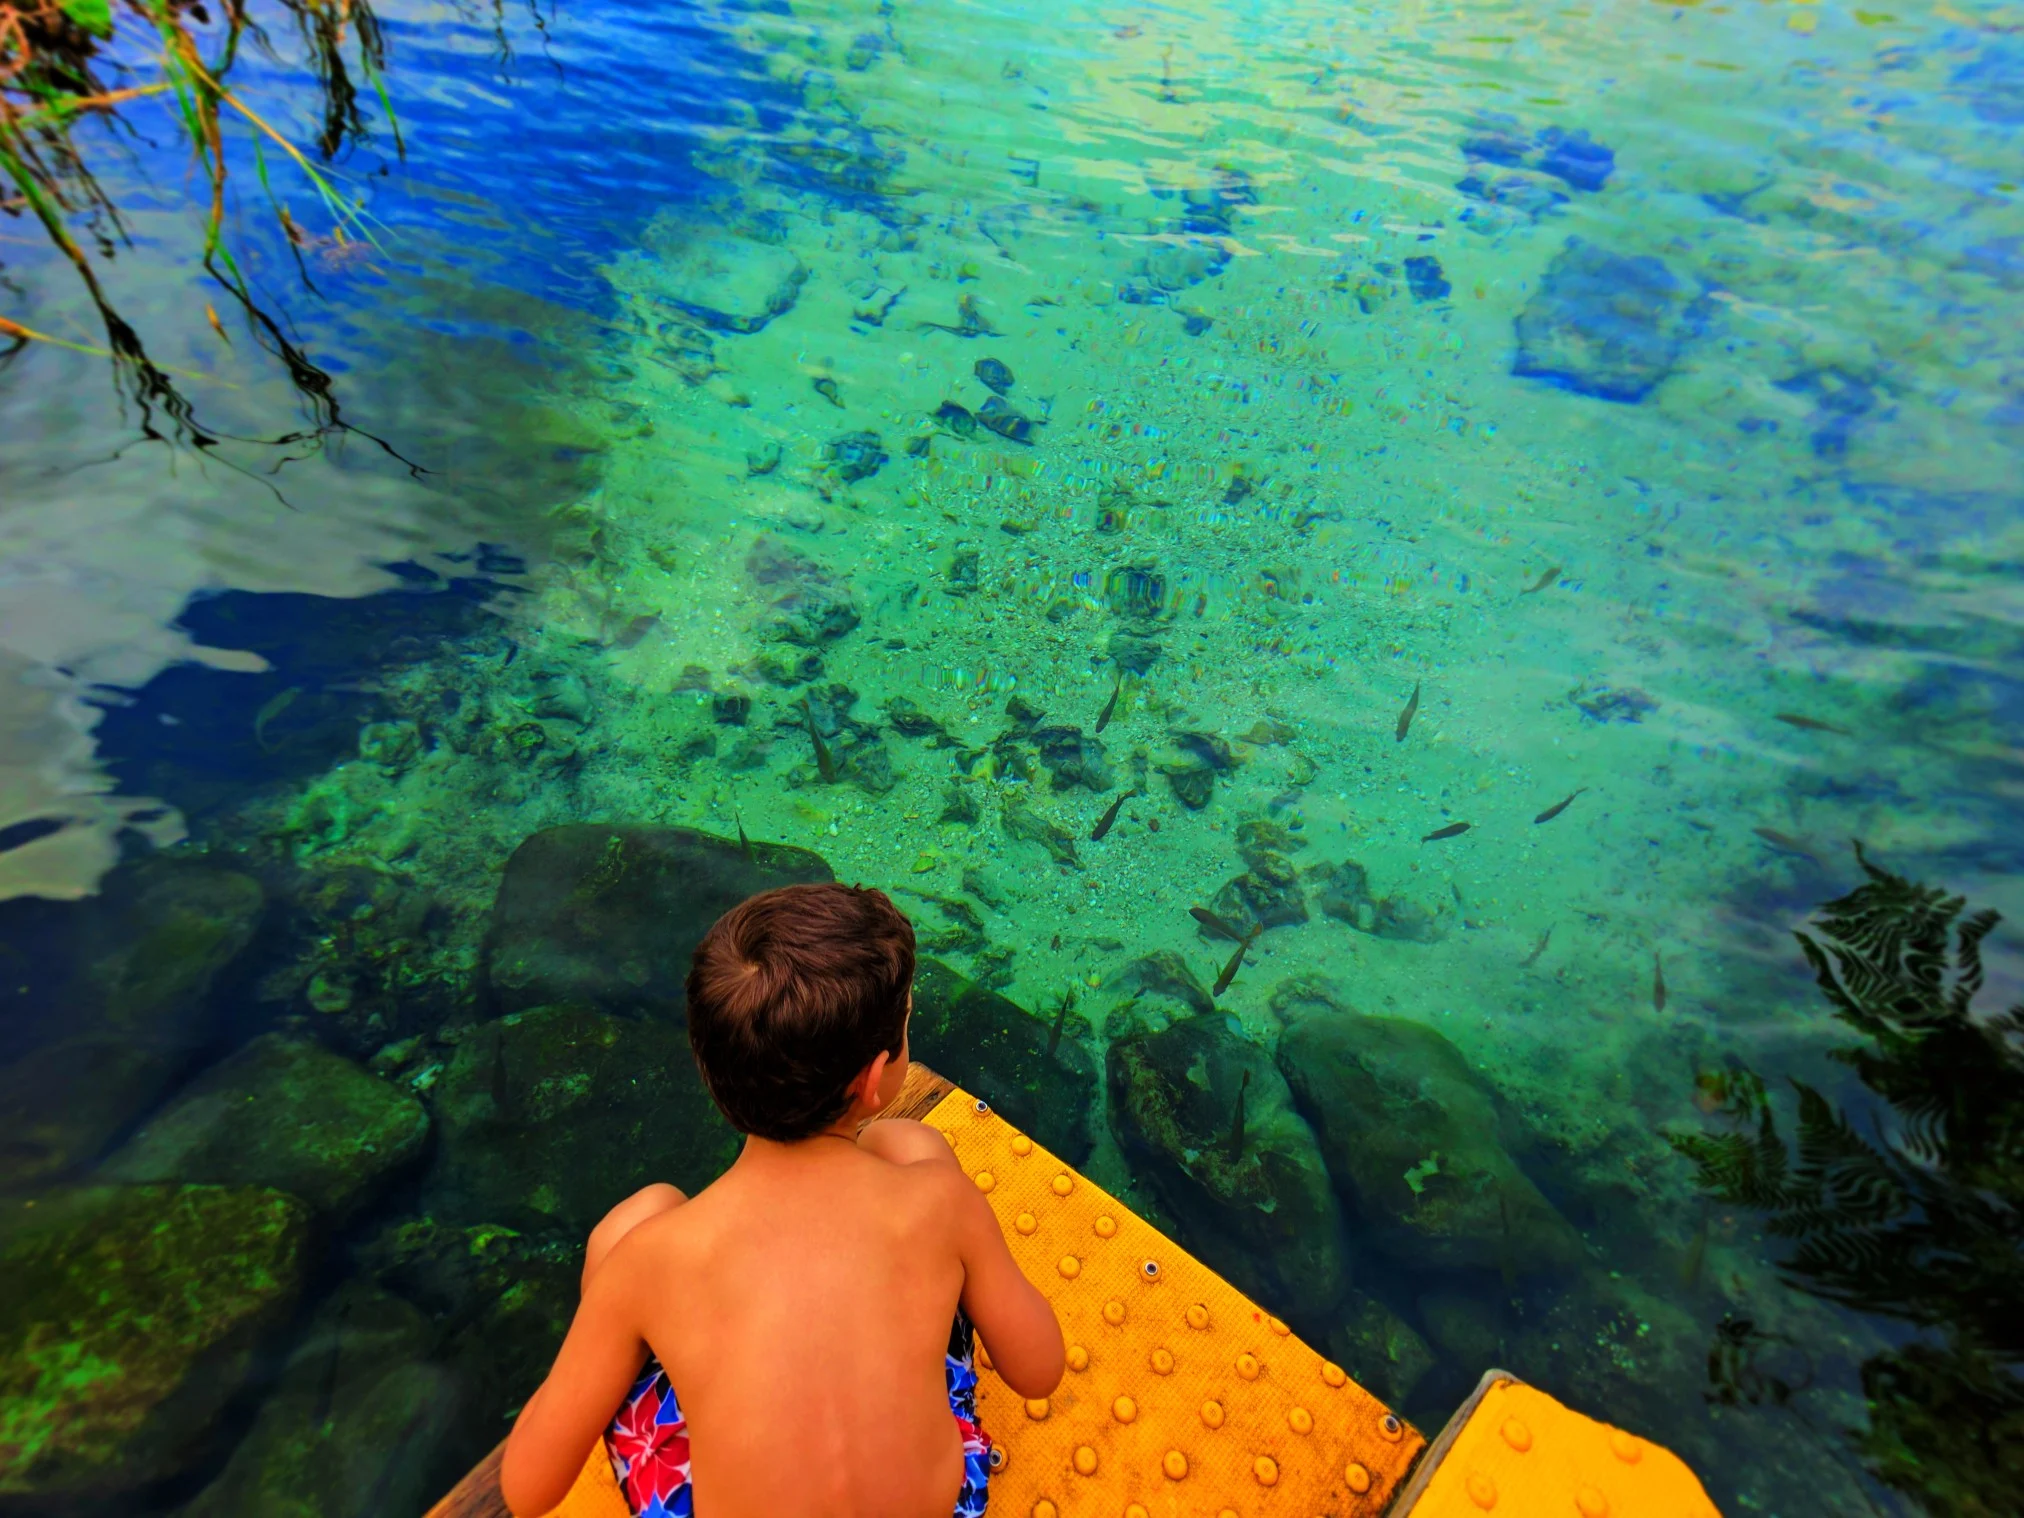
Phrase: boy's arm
(1017, 1323)
(596, 1366)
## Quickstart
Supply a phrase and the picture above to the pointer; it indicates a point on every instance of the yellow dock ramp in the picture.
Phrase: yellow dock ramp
(1511, 1451)
(1184, 1399)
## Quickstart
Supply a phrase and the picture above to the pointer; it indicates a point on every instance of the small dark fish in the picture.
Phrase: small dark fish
(1103, 717)
(957, 419)
(1060, 1021)
(1452, 830)
(273, 708)
(1786, 845)
(1236, 1145)
(1406, 716)
(1217, 926)
(994, 374)
(1813, 724)
(1537, 949)
(1103, 823)
(1556, 809)
(502, 1090)
(1697, 1251)
(969, 321)
(1658, 983)
(512, 653)
(1542, 582)
(744, 843)
(1236, 958)
(825, 765)
(826, 388)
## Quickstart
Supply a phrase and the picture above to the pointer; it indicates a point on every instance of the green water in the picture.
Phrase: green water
(1595, 425)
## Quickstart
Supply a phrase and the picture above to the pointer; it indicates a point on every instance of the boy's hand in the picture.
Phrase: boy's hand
(1017, 1323)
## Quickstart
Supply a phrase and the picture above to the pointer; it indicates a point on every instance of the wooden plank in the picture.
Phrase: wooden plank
(477, 1495)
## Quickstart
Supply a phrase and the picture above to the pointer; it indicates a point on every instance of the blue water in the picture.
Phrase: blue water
(1417, 417)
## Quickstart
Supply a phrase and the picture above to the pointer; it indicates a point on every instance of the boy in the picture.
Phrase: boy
(802, 1302)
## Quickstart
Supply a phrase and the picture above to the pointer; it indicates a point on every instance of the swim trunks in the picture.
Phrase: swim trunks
(648, 1441)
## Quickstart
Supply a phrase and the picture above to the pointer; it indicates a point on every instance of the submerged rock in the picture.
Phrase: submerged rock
(1000, 1052)
(552, 1116)
(355, 1426)
(283, 1113)
(1411, 1135)
(609, 915)
(1379, 1349)
(1607, 703)
(809, 607)
(1073, 758)
(1193, 781)
(1575, 158)
(1603, 324)
(1426, 279)
(106, 1001)
(995, 375)
(1021, 820)
(1134, 651)
(855, 455)
(1213, 1126)
(130, 1317)
(1003, 418)
(1157, 990)
(1345, 895)
(731, 283)
(1137, 591)
(1267, 894)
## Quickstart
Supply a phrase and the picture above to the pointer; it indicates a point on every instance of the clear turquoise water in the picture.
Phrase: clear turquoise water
(1619, 382)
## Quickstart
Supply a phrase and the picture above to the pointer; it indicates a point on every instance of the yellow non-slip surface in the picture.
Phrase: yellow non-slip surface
(1520, 1454)
(1183, 1399)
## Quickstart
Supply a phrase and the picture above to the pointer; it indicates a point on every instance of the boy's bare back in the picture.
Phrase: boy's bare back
(801, 1306)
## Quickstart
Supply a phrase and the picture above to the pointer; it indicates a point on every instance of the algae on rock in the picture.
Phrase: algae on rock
(552, 1116)
(609, 914)
(1004, 1054)
(1411, 1135)
(1213, 1124)
(131, 1316)
(285, 1113)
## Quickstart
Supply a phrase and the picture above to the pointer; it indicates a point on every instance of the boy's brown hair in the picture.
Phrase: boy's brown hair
(791, 994)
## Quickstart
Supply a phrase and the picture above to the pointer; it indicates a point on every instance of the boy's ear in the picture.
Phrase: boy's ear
(873, 1077)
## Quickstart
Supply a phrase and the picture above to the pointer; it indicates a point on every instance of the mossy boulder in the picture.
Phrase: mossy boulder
(1412, 1136)
(131, 1315)
(550, 1117)
(286, 1113)
(1249, 1192)
(999, 1051)
(1380, 1350)
(106, 1003)
(354, 1426)
(608, 916)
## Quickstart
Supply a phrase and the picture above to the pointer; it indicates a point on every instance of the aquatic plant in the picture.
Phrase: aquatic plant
(1912, 1209)
(55, 58)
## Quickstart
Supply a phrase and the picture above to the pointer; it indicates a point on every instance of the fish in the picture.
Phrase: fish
(1236, 1144)
(1103, 717)
(1786, 845)
(969, 321)
(1452, 830)
(1103, 823)
(1658, 983)
(1236, 958)
(1697, 1251)
(826, 388)
(823, 763)
(744, 843)
(994, 374)
(1217, 927)
(211, 315)
(275, 706)
(1542, 582)
(1812, 724)
(1556, 809)
(1406, 716)
(1060, 1020)
(1537, 949)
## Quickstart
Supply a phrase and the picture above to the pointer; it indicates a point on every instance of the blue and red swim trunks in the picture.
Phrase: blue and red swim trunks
(649, 1439)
